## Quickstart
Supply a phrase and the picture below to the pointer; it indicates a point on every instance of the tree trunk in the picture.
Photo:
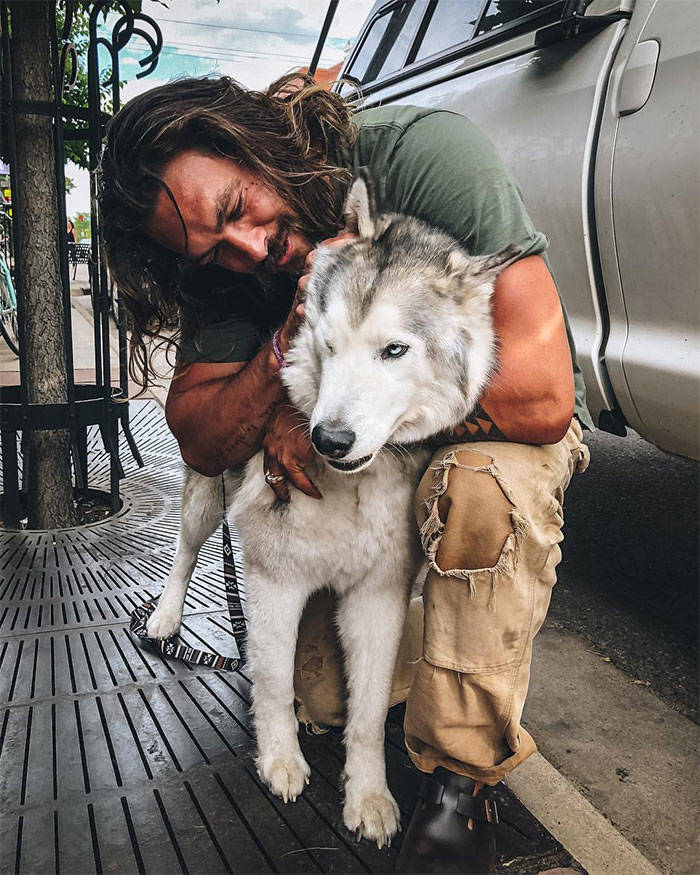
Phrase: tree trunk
(37, 227)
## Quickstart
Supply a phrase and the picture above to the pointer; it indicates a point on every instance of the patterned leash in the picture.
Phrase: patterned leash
(170, 648)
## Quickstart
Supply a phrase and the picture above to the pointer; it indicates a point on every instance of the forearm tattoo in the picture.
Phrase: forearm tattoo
(478, 426)
(250, 435)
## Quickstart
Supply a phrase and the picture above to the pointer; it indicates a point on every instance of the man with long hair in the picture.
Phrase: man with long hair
(213, 198)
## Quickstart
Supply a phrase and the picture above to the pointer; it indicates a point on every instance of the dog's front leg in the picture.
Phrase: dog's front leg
(370, 621)
(274, 610)
(200, 515)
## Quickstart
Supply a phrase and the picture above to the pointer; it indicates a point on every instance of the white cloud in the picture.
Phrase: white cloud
(252, 43)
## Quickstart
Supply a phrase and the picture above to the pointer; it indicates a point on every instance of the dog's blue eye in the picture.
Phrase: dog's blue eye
(394, 350)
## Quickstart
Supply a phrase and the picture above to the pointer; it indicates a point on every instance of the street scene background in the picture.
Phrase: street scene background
(613, 702)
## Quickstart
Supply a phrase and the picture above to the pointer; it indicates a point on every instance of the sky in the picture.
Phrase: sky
(255, 42)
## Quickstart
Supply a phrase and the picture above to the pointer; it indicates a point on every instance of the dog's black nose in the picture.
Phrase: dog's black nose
(332, 441)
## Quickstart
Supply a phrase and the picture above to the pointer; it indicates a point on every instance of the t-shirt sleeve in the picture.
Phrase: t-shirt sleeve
(445, 170)
(234, 339)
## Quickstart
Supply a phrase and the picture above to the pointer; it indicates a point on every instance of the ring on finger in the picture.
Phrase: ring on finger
(273, 478)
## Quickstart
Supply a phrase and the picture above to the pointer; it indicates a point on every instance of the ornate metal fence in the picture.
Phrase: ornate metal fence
(101, 403)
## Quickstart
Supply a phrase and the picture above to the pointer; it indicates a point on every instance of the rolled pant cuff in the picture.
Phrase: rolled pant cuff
(490, 775)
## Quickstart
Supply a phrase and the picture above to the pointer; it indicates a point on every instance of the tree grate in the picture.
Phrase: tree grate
(114, 759)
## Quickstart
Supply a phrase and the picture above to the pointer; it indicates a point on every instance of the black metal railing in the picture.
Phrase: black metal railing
(102, 403)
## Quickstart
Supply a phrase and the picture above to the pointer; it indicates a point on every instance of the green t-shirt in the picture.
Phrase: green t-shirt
(432, 164)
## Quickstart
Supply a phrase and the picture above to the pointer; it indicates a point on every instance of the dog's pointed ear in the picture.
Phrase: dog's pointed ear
(482, 266)
(489, 266)
(360, 209)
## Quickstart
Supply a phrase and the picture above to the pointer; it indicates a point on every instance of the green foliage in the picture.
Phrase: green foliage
(88, 4)
(76, 150)
(82, 227)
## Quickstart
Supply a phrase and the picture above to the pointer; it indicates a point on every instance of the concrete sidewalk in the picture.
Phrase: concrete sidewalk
(616, 779)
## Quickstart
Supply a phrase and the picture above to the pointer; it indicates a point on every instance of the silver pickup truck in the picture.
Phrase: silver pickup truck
(594, 106)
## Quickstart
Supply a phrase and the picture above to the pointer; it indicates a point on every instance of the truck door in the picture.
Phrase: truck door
(648, 201)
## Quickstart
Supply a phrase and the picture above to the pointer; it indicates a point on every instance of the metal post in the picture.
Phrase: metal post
(58, 83)
(330, 14)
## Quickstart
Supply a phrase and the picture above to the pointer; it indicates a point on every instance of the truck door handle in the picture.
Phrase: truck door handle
(638, 77)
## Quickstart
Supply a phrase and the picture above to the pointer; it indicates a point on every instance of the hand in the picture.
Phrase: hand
(287, 451)
(336, 242)
(294, 319)
(296, 313)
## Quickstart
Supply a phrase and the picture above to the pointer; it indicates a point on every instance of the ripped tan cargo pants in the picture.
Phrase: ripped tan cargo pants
(490, 516)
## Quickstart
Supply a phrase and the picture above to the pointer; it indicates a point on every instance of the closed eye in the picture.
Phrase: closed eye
(394, 350)
(232, 216)
(236, 212)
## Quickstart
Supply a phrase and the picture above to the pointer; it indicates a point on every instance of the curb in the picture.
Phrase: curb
(585, 833)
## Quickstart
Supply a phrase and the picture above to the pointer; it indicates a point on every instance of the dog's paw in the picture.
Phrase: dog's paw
(163, 623)
(286, 776)
(372, 815)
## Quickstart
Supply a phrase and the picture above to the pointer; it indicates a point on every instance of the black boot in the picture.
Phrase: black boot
(438, 838)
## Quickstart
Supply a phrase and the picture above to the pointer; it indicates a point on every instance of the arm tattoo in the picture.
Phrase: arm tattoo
(251, 434)
(478, 426)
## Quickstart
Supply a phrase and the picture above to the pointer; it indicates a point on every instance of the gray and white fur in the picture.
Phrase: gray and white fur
(397, 345)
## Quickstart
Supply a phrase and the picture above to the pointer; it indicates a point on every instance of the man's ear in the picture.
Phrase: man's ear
(360, 210)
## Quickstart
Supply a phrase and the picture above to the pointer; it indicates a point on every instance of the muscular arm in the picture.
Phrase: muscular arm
(219, 412)
(531, 396)
(222, 414)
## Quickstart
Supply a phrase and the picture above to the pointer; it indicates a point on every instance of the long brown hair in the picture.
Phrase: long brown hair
(293, 136)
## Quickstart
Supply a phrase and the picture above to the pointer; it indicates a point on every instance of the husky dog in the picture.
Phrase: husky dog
(397, 345)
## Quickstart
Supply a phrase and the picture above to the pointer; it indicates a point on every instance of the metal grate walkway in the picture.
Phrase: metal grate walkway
(114, 760)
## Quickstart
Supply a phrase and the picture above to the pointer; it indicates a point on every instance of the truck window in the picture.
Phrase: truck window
(386, 44)
(498, 13)
(451, 22)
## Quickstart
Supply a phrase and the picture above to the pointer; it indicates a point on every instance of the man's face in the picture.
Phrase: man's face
(232, 218)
